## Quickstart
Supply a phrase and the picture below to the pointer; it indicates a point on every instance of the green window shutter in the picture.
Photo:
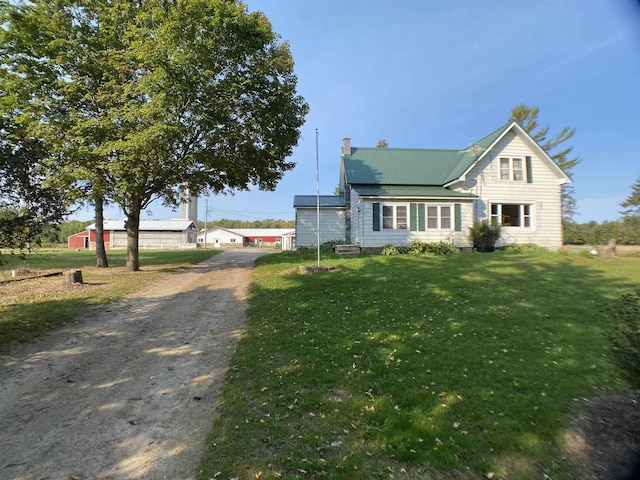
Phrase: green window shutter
(421, 217)
(458, 216)
(376, 217)
(413, 217)
(529, 170)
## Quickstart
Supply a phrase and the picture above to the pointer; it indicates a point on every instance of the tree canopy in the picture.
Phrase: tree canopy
(27, 206)
(527, 117)
(134, 101)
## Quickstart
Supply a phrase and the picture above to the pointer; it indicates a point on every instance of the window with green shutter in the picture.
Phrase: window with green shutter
(376, 217)
(426, 216)
(458, 216)
(413, 217)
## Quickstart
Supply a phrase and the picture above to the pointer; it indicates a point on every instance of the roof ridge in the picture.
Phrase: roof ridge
(409, 149)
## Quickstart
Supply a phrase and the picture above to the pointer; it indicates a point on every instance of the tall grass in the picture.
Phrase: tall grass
(462, 366)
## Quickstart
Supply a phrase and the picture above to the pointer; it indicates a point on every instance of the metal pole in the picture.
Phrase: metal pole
(318, 198)
(206, 217)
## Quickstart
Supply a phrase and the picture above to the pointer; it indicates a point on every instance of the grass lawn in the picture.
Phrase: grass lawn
(29, 308)
(457, 367)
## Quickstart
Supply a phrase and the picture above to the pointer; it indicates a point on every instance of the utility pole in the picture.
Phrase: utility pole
(318, 198)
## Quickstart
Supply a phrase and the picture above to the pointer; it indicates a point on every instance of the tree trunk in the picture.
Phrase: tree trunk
(101, 252)
(133, 228)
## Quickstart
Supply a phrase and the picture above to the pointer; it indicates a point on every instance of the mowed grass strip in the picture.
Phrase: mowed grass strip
(467, 366)
(31, 307)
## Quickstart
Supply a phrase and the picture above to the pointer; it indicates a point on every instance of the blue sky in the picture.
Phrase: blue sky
(443, 74)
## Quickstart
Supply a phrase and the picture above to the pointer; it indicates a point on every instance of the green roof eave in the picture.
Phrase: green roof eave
(410, 191)
(326, 201)
(474, 152)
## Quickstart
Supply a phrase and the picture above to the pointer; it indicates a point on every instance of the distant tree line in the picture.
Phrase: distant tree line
(55, 234)
(232, 223)
(626, 232)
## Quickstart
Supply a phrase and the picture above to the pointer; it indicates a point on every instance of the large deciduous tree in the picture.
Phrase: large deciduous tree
(527, 118)
(26, 204)
(137, 100)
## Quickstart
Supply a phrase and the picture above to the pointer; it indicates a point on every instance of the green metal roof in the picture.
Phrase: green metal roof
(473, 151)
(326, 201)
(401, 166)
(409, 191)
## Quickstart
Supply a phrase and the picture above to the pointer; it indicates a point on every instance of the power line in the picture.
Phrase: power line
(244, 211)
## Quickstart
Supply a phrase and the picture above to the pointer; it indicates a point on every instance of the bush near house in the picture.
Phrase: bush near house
(484, 236)
(420, 248)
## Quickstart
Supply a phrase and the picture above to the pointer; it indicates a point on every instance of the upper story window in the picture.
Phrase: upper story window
(511, 169)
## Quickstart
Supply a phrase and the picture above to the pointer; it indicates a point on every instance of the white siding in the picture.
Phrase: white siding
(356, 218)
(153, 240)
(370, 238)
(543, 194)
(332, 226)
(218, 237)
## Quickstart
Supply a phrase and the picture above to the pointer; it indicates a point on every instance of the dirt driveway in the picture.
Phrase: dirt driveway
(130, 393)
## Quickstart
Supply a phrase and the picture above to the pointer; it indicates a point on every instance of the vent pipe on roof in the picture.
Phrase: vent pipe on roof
(346, 146)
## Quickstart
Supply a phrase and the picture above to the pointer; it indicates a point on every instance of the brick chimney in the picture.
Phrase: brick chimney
(346, 146)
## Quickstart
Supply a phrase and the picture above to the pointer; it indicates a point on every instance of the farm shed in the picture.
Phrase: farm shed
(154, 234)
(219, 237)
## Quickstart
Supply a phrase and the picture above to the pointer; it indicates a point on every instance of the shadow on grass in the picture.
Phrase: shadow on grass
(472, 363)
(121, 395)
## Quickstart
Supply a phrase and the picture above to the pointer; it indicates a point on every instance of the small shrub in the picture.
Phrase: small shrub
(403, 249)
(326, 247)
(433, 248)
(625, 335)
(484, 236)
(420, 248)
(389, 250)
(527, 248)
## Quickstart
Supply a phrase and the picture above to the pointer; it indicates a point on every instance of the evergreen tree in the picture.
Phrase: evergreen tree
(527, 118)
(632, 202)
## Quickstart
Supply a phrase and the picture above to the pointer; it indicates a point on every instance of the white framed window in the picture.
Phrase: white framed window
(438, 217)
(512, 169)
(394, 217)
(512, 214)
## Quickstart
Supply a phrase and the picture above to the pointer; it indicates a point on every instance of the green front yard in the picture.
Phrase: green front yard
(31, 308)
(467, 366)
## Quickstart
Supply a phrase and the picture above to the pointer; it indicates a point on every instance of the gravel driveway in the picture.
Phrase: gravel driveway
(130, 393)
